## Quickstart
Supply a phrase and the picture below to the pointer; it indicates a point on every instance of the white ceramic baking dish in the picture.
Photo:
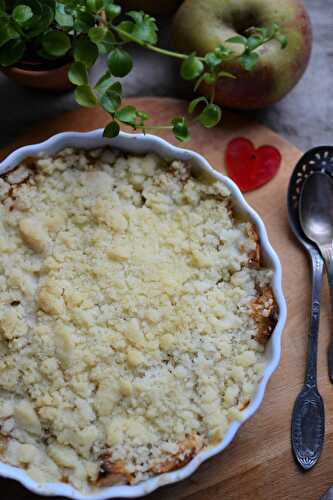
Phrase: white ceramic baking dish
(140, 144)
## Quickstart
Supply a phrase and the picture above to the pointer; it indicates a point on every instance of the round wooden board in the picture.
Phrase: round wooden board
(258, 465)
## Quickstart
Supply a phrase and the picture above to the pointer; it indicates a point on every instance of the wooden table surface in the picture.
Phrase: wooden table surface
(258, 465)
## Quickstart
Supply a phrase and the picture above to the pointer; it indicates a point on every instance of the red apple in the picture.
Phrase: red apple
(153, 7)
(201, 25)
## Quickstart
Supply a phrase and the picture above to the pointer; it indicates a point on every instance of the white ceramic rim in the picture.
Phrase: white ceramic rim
(140, 144)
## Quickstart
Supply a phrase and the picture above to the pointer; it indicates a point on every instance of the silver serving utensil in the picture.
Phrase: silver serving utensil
(316, 218)
(308, 418)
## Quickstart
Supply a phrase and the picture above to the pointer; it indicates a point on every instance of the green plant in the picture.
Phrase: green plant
(85, 29)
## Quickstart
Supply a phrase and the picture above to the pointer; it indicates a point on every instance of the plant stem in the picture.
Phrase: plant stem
(171, 53)
(165, 52)
(153, 127)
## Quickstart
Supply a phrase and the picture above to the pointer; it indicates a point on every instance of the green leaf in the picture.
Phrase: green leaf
(95, 5)
(62, 17)
(111, 130)
(180, 129)
(127, 27)
(2, 6)
(136, 15)
(191, 67)
(40, 23)
(85, 52)
(22, 14)
(111, 99)
(56, 43)
(83, 21)
(274, 28)
(104, 82)
(143, 116)
(146, 32)
(110, 102)
(249, 60)
(144, 27)
(78, 74)
(43, 17)
(111, 9)
(120, 62)
(7, 32)
(265, 32)
(11, 52)
(41, 53)
(97, 34)
(254, 41)
(35, 5)
(213, 59)
(282, 39)
(107, 44)
(237, 39)
(210, 116)
(193, 104)
(224, 52)
(127, 114)
(262, 32)
(210, 78)
(116, 87)
(85, 96)
(36, 9)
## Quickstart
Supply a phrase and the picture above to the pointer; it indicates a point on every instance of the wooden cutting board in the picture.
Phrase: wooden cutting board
(258, 465)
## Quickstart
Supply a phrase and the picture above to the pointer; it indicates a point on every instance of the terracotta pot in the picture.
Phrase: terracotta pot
(40, 77)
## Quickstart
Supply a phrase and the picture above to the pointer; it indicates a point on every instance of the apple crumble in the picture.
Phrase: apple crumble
(133, 317)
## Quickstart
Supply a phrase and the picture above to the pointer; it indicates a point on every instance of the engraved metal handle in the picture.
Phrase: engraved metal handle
(327, 252)
(308, 419)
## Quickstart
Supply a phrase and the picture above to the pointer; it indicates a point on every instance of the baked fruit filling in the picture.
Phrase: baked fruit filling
(134, 313)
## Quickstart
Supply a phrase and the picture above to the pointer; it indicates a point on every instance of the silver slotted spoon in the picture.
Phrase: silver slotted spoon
(316, 218)
(308, 419)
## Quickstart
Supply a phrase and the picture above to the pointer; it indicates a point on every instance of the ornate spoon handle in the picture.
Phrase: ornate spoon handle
(327, 252)
(308, 419)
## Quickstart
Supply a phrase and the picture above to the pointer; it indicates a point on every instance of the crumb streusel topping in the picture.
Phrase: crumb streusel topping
(127, 335)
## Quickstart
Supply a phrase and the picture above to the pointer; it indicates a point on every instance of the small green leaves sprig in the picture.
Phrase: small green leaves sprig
(209, 69)
(254, 39)
(82, 30)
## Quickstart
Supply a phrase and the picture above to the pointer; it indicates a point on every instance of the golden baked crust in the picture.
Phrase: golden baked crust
(116, 473)
(3, 443)
(264, 306)
(112, 473)
(134, 307)
(186, 451)
(255, 254)
(265, 314)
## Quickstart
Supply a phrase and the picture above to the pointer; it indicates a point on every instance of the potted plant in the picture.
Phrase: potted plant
(53, 44)
(26, 54)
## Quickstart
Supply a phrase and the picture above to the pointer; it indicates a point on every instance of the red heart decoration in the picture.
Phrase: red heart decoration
(248, 167)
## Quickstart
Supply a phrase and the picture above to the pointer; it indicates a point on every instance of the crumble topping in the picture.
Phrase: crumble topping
(134, 310)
